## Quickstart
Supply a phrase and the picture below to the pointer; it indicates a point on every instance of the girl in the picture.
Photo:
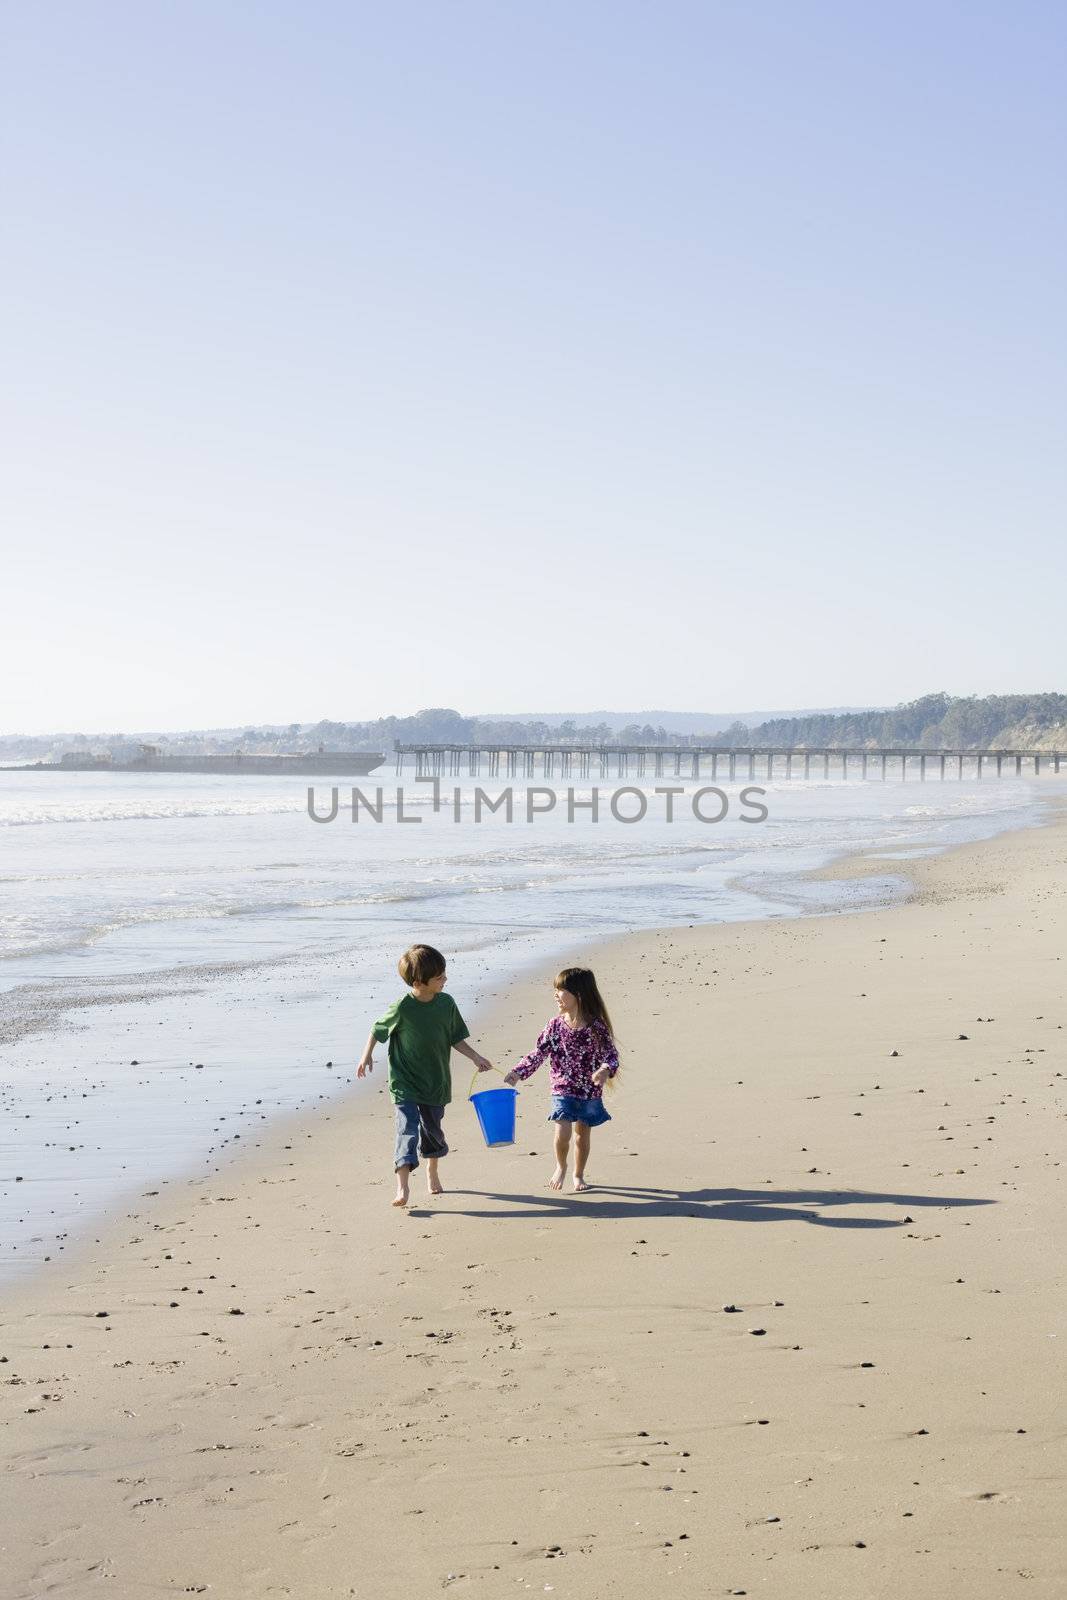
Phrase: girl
(580, 1045)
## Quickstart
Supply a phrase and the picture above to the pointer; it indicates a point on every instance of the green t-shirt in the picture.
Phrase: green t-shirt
(421, 1034)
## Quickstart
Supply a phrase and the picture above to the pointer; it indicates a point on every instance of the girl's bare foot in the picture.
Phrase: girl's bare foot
(433, 1182)
(401, 1189)
(556, 1180)
(580, 1185)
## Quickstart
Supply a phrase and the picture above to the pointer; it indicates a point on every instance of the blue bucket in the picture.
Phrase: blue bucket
(496, 1114)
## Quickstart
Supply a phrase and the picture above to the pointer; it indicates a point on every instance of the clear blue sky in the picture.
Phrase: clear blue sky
(367, 357)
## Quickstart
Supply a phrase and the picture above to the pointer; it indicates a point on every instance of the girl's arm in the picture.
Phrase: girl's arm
(609, 1057)
(472, 1055)
(529, 1064)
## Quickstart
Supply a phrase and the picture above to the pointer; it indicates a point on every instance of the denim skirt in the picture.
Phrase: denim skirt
(569, 1108)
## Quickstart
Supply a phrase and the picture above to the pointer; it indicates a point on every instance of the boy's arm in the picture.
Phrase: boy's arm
(366, 1060)
(472, 1055)
(459, 1035)
(378, 1034)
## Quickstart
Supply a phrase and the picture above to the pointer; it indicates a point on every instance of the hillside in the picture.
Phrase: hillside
(936, 721)
(1014, 721)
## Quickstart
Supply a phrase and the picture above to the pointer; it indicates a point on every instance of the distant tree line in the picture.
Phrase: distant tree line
(440, 725)
(1021, 721)
(1018, 721)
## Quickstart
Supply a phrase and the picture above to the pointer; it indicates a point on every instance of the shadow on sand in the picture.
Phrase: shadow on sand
(712, 1205)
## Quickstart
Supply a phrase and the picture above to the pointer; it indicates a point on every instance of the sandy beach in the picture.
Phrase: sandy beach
(849, 1381)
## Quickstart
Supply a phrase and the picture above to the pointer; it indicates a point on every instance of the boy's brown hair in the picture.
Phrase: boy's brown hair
(421, 963)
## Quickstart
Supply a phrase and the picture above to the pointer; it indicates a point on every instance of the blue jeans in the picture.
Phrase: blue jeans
(418, 1128)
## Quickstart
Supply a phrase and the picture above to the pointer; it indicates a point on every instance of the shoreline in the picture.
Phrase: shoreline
(181, 1119)
(336, 1088)
(919, 875)
(330, 1411)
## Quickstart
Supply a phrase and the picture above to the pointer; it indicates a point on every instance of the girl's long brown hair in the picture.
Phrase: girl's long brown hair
(580, 982)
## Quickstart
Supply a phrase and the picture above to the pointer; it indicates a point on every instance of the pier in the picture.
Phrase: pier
(584, 761)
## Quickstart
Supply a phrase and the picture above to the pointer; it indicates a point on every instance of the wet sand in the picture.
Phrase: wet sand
(267, 1382)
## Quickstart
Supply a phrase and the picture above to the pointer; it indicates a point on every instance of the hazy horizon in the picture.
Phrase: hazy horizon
(674, 721)
(510, 716)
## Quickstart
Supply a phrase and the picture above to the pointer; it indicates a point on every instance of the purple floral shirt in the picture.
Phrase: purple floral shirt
(574, 1054)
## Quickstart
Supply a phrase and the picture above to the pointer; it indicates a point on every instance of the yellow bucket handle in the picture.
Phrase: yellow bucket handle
(477, 1074)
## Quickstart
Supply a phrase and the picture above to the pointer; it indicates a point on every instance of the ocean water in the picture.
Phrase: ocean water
(184, 956)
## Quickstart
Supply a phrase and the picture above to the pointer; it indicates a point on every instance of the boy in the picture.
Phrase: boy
(422, 1028)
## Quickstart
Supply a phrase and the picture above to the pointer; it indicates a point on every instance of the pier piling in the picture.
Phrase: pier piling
(618, 760)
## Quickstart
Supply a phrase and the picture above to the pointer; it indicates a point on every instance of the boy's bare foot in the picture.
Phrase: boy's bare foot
(401, 1190)
(580, 1185)
(433, 1182)
(556, 1180)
